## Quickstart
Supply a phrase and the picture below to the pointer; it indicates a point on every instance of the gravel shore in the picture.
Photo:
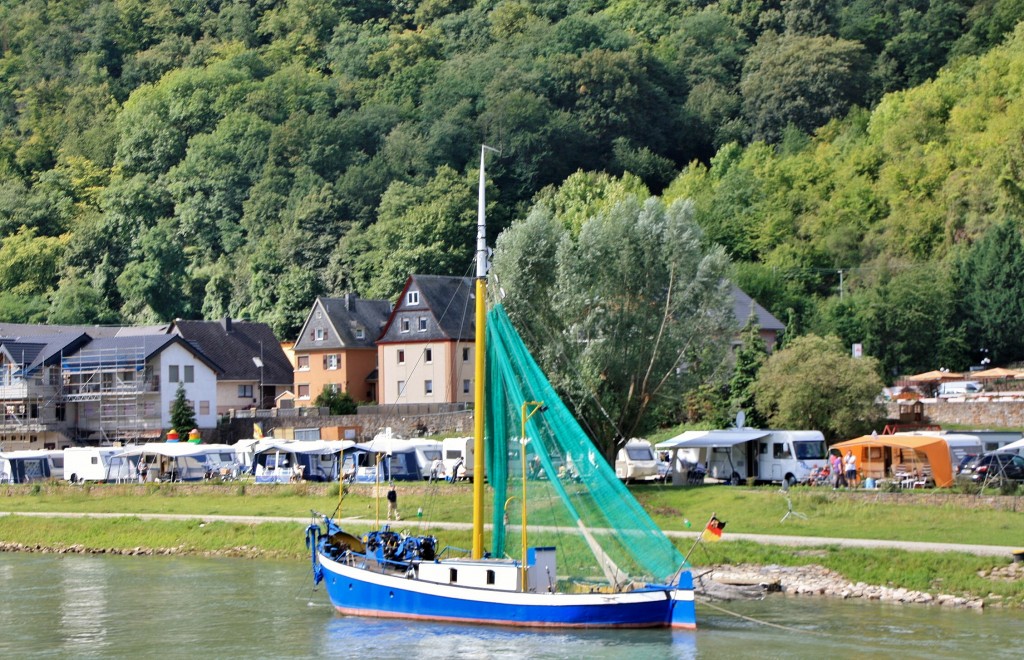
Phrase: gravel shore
(814, 580)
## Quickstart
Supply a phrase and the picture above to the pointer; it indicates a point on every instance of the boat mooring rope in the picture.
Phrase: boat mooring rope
(762, 621)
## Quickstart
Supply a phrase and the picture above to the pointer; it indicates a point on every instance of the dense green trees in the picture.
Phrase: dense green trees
(166, 158)
(814, 384)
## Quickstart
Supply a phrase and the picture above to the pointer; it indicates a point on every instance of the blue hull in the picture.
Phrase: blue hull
(358, 591)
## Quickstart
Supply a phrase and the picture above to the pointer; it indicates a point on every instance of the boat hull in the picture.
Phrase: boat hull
(362, 592)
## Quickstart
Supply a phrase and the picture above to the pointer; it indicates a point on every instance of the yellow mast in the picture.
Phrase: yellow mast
(480, 341)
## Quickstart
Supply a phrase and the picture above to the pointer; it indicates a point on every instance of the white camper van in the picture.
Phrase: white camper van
(636, 461)
(959, 388)
(96, 464)
(458, 451)
(735, 455)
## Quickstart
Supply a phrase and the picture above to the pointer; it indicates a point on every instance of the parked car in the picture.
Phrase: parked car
(964, 461)
(993, 467)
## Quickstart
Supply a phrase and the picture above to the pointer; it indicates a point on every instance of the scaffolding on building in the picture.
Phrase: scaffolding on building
(116, 392)
(26, 401)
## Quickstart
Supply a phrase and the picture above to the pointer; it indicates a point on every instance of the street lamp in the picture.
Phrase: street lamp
(528, 410)
(258, 361)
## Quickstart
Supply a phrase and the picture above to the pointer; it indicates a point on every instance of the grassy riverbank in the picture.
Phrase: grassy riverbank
(935, 517)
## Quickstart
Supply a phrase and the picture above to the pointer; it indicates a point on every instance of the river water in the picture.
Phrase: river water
(80, 606)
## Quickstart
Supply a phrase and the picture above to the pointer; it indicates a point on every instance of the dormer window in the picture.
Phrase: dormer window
(412, 298)
(319, 334)
(360, 333)
(423, 323)
(405, 325)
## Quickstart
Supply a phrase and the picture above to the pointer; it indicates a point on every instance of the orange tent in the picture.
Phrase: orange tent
(935, 450)
(994, 373)
(933, 376)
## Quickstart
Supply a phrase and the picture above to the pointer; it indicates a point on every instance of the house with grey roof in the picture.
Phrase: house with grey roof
(122, 388)
(425, 353)
(336, 348)
(253, 368)
(34, 414)
(743, 308)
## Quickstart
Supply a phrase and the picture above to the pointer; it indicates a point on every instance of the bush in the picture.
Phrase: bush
(1007, 487)
(333, 490)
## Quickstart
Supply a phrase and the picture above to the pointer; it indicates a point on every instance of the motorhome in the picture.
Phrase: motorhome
(96, 464)
(735, 455)
(458, 451)
(959, 388)
(636, 461)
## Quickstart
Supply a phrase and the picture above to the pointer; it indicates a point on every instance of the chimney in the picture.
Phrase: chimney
(350, 301)
(226, 323)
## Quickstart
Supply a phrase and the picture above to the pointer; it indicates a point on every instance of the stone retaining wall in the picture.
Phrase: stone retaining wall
(973, 413)
(412, 426)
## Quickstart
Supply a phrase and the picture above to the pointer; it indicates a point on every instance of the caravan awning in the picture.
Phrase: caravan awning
(318, 447)
(712, 438)
(935, 449)
(169, 449)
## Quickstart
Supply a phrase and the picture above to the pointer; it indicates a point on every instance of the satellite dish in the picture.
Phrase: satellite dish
(741, 419)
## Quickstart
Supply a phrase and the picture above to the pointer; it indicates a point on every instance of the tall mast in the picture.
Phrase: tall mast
(479, 371)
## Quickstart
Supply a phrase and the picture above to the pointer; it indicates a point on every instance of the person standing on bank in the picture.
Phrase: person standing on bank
(393, 502)
(850, 463)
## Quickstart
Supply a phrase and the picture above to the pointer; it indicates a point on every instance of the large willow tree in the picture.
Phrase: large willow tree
(625, 309)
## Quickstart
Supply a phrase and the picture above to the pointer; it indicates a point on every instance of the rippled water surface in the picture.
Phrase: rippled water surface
(102, 607)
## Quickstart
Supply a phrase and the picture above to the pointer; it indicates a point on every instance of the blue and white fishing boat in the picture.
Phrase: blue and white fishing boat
(640, 579)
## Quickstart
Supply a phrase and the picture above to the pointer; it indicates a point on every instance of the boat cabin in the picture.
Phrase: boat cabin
(501, 574)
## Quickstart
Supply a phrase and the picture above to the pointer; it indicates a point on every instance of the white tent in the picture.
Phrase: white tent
(1013, 446)
(172, 461)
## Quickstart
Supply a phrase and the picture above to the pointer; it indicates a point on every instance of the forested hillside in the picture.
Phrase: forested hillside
(182, 158)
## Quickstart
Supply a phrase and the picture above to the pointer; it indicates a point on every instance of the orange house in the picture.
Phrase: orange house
(336, 348)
